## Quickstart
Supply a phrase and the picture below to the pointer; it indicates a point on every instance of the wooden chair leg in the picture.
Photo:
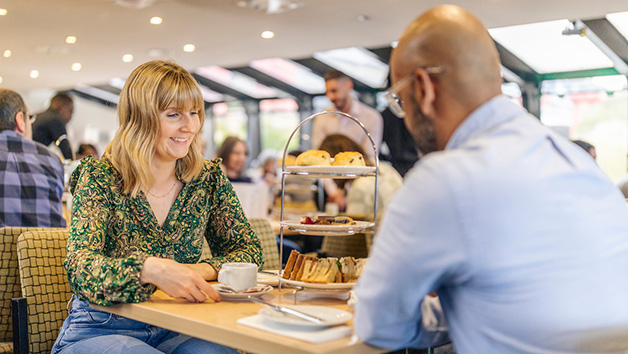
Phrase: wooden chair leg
(19, 308)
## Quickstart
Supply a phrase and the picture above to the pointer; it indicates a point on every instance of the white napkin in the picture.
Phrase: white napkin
(309, 334)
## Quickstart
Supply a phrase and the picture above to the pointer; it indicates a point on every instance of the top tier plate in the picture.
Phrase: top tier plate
(331, 171)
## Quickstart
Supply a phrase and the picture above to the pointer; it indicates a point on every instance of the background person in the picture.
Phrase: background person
(140, 214)
(338, 88)
(31, 177)
(590, 149)
(516, 230)
(86, 150)
(50, 125)
(234, 153)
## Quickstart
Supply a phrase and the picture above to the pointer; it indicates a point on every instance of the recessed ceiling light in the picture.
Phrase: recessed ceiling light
(7, 53)
(156, 20)
(3, 12)
(127, 58)
(268, 34)
(70, 39)
(363, 18)
(76, 66)
(189, 48)
(34, 74)
(0, 79)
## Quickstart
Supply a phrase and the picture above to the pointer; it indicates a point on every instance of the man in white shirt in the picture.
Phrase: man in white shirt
(338, 88)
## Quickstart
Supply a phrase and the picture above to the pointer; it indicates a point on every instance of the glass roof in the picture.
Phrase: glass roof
(620, 21)
(211, 95)
(291, 73)
(545, 49)
(239, 82)
(358, 63)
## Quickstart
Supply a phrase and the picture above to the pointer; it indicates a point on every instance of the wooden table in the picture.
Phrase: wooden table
(216, 322)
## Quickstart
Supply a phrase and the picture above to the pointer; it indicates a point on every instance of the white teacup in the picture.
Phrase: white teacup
(239, 276)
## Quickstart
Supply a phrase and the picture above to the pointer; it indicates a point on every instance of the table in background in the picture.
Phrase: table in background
(217, 322)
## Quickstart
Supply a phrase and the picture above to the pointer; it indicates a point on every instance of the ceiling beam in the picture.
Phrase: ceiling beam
(516, 65)
(383, 54)
(606, 37)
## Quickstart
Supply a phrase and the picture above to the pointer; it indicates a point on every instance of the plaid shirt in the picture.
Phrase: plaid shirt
(31, 183)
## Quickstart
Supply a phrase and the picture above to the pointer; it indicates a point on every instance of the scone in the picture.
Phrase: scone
(314, 158)
(348, 158)
(290, 161)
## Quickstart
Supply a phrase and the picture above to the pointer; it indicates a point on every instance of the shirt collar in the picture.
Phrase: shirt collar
(11, 133)
(496, 111)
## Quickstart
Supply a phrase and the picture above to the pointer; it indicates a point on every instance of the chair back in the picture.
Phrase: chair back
(268, 239)
(45, 286)
(9, 279)
(356, 246)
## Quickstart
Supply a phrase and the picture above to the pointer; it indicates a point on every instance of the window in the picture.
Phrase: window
(594, 110)
(278, 119)
(229, 119)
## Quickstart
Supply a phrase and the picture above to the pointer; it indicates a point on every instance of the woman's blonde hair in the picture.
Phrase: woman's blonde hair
(150, 89)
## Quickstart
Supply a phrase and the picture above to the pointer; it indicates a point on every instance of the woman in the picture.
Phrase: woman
(233, 153)
(139, 217)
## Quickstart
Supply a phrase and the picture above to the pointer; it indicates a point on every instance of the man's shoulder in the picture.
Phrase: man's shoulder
(17, 144)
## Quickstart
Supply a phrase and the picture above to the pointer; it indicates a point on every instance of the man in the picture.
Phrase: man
(520, 234)
(338, 88)
(50, 126)
(31, 177)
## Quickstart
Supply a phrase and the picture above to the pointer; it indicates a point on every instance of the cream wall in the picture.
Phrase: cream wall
(92, 122)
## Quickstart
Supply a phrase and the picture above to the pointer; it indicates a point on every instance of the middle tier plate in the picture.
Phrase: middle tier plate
(326, 230)
(324, 286)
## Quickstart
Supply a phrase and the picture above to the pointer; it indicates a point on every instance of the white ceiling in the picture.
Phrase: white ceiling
(224, 34)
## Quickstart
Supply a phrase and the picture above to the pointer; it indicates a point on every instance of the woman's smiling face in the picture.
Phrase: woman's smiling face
(177, 129)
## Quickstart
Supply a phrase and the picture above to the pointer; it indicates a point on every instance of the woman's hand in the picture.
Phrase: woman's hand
(206, 271)
(177, 280)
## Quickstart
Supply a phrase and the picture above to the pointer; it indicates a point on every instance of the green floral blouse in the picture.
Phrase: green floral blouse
(112, 233)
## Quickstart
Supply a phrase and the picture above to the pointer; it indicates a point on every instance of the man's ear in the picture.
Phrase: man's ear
(20, 121)
(424, 91)
(348, 83)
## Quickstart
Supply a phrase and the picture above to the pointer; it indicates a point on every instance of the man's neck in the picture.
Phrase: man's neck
(347, 108)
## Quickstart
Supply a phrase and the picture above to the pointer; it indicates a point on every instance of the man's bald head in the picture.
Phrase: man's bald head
(451, 37)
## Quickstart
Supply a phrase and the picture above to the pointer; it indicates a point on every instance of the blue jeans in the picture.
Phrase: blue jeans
(87, 330)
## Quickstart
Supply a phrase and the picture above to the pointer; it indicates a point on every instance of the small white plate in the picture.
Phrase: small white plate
(332, 171)
(326, 286)
(258, 290)
(330, 315)
(326, 230)
(269, 279)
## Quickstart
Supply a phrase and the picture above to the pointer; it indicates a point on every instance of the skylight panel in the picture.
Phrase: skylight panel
(545, 49)
(291, 73)
(358, 63)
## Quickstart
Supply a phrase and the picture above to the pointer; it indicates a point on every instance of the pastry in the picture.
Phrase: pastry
(349, 158)
(314, 158)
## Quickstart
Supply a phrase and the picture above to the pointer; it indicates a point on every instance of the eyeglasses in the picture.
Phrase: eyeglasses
(32, 118)
(392, 95)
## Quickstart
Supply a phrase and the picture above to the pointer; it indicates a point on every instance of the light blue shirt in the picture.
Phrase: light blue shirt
(521, 234)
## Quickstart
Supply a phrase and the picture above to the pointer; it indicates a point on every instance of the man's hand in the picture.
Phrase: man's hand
(178, 280)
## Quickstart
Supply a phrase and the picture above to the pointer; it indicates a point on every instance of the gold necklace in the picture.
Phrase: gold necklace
(161, 196)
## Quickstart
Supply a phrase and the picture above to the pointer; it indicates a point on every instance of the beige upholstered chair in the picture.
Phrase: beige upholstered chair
(9, 282)
(268, 239)
(44, 285)
(354, 246)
